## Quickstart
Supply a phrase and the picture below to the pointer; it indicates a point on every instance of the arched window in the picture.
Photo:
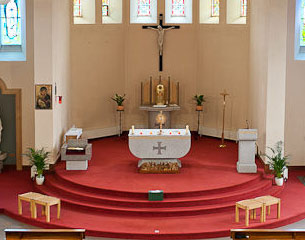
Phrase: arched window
(11, 23)
(12, 31)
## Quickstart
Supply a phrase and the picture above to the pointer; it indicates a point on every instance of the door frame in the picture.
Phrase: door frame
(18, 113)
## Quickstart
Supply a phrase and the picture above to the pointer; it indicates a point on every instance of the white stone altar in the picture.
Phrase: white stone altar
(246, 150)
(151, 146)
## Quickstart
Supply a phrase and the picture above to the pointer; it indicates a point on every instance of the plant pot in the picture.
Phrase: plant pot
(199, 108)
(279, 181)
(39, 180)
(120, 108)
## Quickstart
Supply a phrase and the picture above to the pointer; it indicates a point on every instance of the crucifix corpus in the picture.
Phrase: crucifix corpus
(160, 30)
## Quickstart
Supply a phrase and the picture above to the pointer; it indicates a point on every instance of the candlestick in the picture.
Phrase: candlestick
(224, 94)
(132, 129)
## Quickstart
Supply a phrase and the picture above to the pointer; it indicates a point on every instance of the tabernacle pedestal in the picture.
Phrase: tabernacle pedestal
(154, 111)
(246, 151)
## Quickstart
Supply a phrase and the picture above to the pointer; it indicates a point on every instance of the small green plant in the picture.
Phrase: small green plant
(277, 161)
(199, 99)
(38, 159)
(119, 99)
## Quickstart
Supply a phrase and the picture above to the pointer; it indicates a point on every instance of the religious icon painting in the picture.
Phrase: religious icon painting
(43, 96)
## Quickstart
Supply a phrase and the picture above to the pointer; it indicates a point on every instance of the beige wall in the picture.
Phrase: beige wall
(267, 74)
(106, 59)
(295, 98)
(52, 66)
(61, 70)
(21, 75)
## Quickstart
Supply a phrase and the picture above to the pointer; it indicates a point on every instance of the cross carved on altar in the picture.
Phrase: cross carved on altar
(160, 30)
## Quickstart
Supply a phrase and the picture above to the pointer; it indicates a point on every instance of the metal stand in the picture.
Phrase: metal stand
(198, 123)
(120, 116)
(224, 94)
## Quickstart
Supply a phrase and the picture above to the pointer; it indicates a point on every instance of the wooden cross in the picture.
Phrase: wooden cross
(160, 29)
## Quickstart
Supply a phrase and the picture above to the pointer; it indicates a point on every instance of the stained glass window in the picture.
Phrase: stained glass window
(77, 8)
(105, 7)
(215, 8)
(243, 8)
(178, 8)
(11, 23)
(144, 7)
(302, 24)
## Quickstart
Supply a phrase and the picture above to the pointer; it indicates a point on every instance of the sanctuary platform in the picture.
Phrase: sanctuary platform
(111, 198)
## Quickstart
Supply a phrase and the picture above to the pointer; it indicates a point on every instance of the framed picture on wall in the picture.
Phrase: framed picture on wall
(43, 96)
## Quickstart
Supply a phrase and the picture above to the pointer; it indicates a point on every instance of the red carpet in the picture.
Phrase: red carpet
(110, 199)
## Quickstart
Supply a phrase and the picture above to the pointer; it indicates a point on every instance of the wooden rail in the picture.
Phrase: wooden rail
(27, 234)
(298, 234)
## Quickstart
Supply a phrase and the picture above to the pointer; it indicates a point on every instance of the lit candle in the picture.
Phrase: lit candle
(132, 129)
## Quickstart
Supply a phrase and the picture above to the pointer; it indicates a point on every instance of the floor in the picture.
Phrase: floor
(7, 222)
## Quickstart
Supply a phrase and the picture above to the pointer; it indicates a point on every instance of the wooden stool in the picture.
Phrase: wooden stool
(268, 201)
(28, 197)
(46, 202)
(249, 205)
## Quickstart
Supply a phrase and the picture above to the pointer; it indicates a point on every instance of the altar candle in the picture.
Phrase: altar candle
(187, 128)
(132, 129)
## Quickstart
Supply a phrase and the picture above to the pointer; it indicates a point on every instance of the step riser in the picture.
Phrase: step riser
(153, 212)
(139, 195)
(186, 203)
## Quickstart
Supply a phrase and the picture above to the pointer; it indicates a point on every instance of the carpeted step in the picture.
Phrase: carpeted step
(151, 211)
(256, 187)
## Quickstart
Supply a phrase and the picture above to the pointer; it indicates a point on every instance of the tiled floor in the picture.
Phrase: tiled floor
(6, 222)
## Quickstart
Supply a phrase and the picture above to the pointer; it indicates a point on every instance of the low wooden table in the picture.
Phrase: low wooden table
(249, 205)
(268, 201)
(28, 197)
(46, 202)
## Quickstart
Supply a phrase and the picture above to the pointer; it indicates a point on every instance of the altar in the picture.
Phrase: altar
(159, 151)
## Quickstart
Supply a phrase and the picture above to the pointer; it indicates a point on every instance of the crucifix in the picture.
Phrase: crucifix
(160, 30)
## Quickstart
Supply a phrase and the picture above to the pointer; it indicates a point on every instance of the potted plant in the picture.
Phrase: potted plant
(199, 100)
(119, 99)
(278, 162)
(38, 159)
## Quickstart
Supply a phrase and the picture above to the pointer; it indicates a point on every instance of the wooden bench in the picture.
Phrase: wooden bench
(249, 205)
(67, 234)
(37, 198)
(46, 202)
(253, 234)
(268, 201)
(27, 197)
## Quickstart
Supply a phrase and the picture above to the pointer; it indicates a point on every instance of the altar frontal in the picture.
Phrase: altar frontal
(159, 150)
